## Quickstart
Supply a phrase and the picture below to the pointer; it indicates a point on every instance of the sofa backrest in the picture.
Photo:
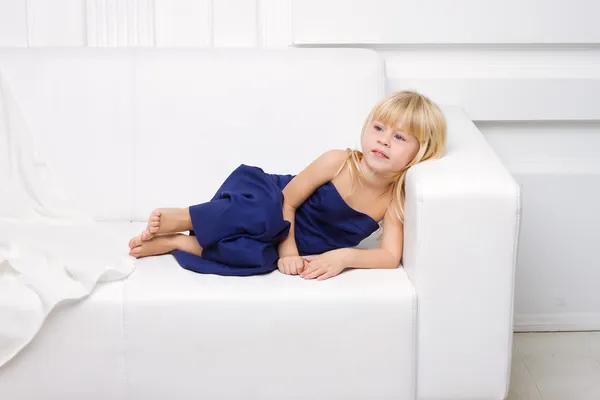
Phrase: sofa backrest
(128, 130)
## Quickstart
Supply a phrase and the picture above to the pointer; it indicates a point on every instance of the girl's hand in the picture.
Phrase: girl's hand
(324, 266)
(291, 265)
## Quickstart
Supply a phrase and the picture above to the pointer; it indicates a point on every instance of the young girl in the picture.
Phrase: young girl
(258, 222)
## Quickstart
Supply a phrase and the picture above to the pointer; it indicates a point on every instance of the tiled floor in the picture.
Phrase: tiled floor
(556, 366)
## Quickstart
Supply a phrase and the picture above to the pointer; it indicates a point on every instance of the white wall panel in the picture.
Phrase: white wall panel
(235, 23)
(544, 104)
(13, 23)
(558, 168)
(513, 99)
(183, 23)
(445, 21)
(112, 23)
(508, 83)
(559, 147)
(56, 23)
(496, 62)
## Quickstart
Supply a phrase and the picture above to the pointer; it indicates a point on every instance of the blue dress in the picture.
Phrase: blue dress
(240, 228)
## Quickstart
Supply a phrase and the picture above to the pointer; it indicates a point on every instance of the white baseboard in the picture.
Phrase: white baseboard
(557, 322)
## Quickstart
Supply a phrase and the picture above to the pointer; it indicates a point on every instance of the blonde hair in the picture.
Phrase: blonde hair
(421, 118)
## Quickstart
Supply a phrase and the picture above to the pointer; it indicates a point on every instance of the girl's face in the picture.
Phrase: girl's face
(388, 149)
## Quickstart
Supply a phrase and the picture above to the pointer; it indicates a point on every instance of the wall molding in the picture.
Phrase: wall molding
(543, 70)
(516, 99)
(503, 83)
(557, 322)
(443, 21)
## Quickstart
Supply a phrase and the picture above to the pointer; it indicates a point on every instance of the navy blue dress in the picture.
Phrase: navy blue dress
(241, 227)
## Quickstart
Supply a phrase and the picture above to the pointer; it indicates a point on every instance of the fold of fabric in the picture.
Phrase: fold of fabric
(50, 251)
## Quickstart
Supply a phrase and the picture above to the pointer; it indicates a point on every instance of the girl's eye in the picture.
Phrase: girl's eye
(378, 128)
(398, 137)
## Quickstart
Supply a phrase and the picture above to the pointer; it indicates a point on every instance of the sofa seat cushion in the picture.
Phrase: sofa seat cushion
(166, 332)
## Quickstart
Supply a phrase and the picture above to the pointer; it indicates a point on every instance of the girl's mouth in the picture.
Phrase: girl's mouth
(379, 154)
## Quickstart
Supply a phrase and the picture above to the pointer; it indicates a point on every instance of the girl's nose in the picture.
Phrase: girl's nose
(383, 142)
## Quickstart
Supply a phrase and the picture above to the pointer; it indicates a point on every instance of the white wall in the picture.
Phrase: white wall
(526, 71)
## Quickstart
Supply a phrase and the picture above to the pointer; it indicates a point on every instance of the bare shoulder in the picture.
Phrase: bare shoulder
(333, 158)
(317, 173)
(325, 166)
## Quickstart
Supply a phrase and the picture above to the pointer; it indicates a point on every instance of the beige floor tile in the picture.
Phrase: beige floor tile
(574, 344)
(524, 394)
(522, 385)
(594, 340)
(570, 388)
(562, 366)
(550, 367)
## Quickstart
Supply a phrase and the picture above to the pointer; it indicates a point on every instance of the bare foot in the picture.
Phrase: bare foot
(142, 237)
(166, 243)
(162, 244)
(167, 220)
(135, 241)
(163, 220)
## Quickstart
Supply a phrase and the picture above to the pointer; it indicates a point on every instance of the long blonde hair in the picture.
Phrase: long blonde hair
(419, 117)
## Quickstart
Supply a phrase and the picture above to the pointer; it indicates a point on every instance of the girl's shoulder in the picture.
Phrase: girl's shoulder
(335, 155)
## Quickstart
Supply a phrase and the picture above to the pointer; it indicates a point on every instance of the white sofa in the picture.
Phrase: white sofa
(130, 130)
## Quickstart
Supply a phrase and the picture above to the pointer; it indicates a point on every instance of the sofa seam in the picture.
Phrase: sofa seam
(125, 339)
(415, 315)
(420, 204)
(519, 206)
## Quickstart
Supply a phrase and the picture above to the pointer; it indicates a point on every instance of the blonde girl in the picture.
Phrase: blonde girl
(308, 224)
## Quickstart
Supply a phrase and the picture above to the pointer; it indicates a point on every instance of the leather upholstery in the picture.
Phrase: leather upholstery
(130, 130)
(169, 333)
(461, 234)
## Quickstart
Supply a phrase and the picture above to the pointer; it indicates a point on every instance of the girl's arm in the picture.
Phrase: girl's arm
(389, 253)
(301, 187)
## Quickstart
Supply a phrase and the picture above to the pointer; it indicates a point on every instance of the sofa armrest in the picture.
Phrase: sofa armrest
(461, 232)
